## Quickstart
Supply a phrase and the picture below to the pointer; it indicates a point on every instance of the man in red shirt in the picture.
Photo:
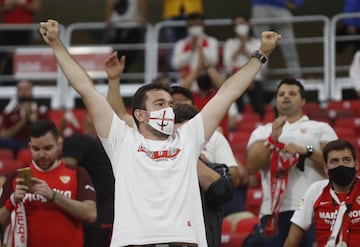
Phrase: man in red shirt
(17, 117)
(50, 213)
(333, 205)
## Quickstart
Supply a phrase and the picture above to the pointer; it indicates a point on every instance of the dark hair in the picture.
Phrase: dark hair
(140, 97)
(41, 127)
(205, 82)
(183, 91)
(292, 81)
(338, 145)
(185, 112)
(195, 16)
(247, 19)
(240, 16)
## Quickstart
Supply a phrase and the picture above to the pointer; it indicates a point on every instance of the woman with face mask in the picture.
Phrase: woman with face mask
(237, 51)
(185, 57)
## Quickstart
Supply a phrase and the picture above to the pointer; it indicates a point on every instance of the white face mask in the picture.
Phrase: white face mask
(163, 120)
(242, 30)
(196, 31)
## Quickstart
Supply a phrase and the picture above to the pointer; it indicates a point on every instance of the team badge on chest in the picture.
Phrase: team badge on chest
(65, 179)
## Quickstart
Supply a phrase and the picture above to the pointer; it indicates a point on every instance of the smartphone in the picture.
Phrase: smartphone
(26, 174)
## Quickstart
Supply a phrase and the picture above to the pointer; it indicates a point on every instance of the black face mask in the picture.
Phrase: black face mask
(342, 175)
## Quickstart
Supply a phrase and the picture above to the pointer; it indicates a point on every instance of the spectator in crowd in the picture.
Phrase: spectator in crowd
(125, 11)
(355, 72)
(50, 213)
(86, 151)
(288, 153)
(165, 207)
(204, 81)
(279, 9)
(216, 185)
(217, 150)
(176, 10)
(18, 116)
(215, 180)
(351, 26)
(237, 51)
(185, 57)
(331, 204)
(16, 12)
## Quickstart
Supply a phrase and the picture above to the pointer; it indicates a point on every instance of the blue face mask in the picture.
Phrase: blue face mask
(342, 175)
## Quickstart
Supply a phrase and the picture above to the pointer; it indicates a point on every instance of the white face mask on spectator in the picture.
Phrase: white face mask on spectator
(163, 120)
(242, 30)
(196, 31)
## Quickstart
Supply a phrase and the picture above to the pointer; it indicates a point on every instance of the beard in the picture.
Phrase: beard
(45, 164)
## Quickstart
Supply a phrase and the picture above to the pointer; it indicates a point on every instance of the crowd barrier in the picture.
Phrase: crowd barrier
(35, 62)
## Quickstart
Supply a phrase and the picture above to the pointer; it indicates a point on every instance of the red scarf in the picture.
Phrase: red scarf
(281, 162)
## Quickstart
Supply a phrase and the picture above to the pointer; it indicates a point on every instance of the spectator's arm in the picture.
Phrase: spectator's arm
(295, 236)
(4, 216)
(114, 68)
(216, 78)
(258, 157)
(8, 133)
(216, 182)
(206, 175)
(97, 106)
(211, 52)
(181, 57)
(109, 5)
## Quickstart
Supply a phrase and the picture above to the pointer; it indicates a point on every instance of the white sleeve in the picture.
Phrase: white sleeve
(303, 215)
(355, 70)
(180, 58)
(228, 51)
(223, 152)
(211, 51)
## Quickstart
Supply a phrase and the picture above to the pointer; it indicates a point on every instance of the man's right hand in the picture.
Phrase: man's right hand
(277, 126)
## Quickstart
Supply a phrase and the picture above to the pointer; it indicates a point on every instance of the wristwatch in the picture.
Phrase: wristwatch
(309, 150)
(259, 56)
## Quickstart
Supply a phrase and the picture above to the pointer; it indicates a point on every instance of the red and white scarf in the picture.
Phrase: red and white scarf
(16, 231)
(338, 223)
(281, 162)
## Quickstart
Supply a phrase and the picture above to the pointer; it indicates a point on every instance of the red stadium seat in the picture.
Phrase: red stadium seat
(226, 226)
(246, 225)
(6, 153)
(24, 156)
(254, 197)
(238, 140)
(9, 165)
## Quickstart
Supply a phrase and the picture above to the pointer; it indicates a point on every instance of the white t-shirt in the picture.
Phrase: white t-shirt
(157, 197)
(303, 216)
(185, 57)
(218, 150)
(303, 132)
(355, 70)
